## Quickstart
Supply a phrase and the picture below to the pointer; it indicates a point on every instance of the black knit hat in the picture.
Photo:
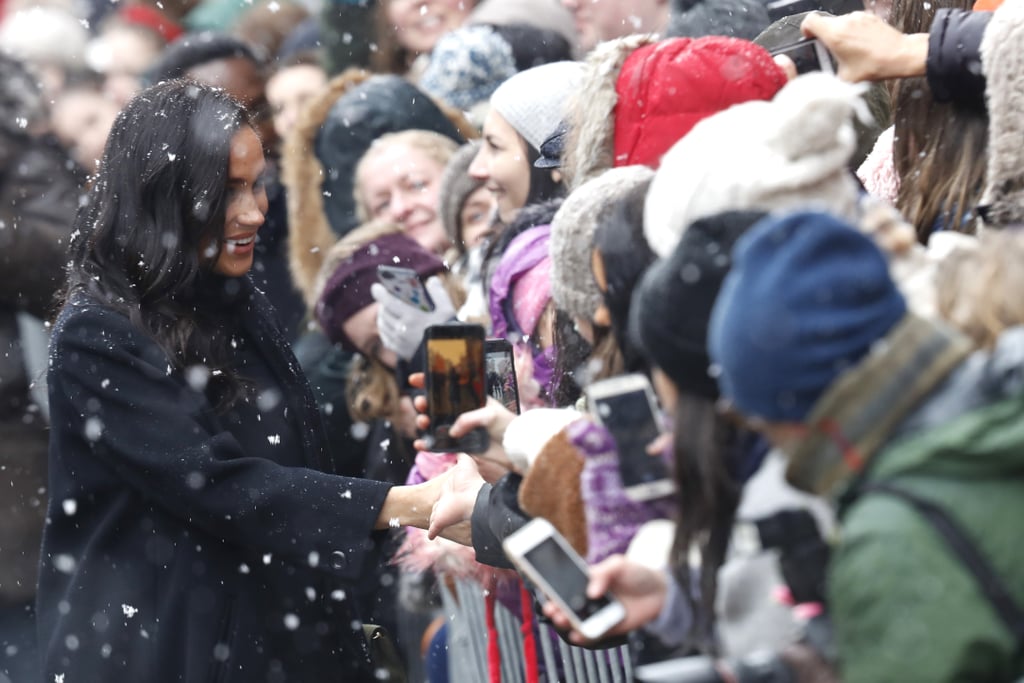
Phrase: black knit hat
(672, 304)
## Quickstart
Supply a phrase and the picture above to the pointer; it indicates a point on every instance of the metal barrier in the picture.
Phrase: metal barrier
(561, 662)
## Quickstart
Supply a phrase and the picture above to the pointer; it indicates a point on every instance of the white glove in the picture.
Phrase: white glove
(401, 325)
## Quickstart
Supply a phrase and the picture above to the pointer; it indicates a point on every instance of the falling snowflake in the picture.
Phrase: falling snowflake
(128, 610)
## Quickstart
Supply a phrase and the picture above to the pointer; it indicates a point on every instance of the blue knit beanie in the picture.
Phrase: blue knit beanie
(806, 298)
(467, 66)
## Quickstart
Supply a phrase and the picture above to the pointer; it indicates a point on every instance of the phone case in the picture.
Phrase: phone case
(405, 284)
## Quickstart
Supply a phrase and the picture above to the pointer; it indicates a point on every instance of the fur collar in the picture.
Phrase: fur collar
(310, 236)
(1003, 64)
(589, 149)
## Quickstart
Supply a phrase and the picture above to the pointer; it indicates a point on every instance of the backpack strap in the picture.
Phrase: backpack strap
(958, 541)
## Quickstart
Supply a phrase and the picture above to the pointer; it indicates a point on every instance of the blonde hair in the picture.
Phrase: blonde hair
(978, 289)
(372, 390)
(436, 147)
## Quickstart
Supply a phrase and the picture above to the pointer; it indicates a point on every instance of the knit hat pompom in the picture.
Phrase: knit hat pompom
(820, 109)
(787, 154)
(806, 299)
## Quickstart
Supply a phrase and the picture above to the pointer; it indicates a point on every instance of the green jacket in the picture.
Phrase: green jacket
(948, 427)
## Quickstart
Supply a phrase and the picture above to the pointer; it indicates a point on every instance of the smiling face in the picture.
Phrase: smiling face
(361, 329)
(600, 20)
(289, 90)
(419, 24)
(503, 166)
(400, 183)
(82, 121)
(475, 217)
(245, 207)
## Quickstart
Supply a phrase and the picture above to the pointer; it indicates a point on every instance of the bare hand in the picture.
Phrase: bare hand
(641, 591)
(459, 488)
(493, 464)
(867, 48)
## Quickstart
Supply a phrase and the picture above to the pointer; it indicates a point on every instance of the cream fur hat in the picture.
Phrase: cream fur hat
(788, 153)
(572, 234)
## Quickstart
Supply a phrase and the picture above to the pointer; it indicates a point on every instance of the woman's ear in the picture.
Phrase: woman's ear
(602, 316)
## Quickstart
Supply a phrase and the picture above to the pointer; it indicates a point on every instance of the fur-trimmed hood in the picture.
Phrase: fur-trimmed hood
(310, 235)
(322, 151)
(1003, 64)
(589, 149)
(640, 96)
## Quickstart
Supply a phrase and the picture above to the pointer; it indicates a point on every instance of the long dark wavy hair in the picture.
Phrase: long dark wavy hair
(940, 149)
(160, 194)
(706, 446)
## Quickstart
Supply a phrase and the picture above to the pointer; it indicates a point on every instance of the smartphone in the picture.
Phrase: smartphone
(501, 373)
(808, 55)
(545, 558)
(627, 408)
(405, 284)
(456, 384)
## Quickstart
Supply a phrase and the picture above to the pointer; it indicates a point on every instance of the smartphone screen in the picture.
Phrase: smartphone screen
(807, 56)
(501, 373)
(634, 426)
(564, 577)
(455, 379)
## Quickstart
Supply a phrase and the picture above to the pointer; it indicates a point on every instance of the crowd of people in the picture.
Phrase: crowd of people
(214, 460)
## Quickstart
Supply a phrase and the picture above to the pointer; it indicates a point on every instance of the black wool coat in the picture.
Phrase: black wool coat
(187, 545)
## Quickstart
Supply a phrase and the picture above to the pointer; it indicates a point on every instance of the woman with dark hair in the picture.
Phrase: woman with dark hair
(939, 148)
(195, 529)
(525, 110)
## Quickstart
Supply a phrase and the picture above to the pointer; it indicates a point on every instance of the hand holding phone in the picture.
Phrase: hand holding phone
(626, 407)
(403, 315)
(807, 55)
(456, 384)
(546, 559)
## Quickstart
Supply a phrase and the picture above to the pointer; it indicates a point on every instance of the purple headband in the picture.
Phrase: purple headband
(348, 288)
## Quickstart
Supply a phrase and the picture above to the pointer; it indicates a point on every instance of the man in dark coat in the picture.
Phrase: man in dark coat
(38, 201)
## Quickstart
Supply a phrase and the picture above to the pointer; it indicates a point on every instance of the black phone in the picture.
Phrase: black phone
(501, 373)
(808, 55)
(778, 9)
(456, 384)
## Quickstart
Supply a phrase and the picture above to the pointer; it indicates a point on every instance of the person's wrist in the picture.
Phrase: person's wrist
(910, 58)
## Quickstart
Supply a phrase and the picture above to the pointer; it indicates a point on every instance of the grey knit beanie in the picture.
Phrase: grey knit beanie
(456, 186)
(534, 101)
(572, 234)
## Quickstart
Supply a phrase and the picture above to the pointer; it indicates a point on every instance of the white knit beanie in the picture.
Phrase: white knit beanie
(786, 154)
(534, 101)
(44, 35)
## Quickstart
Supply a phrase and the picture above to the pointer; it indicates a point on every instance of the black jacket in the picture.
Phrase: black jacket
(38, 199)
(954, 57)
(184, 545)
